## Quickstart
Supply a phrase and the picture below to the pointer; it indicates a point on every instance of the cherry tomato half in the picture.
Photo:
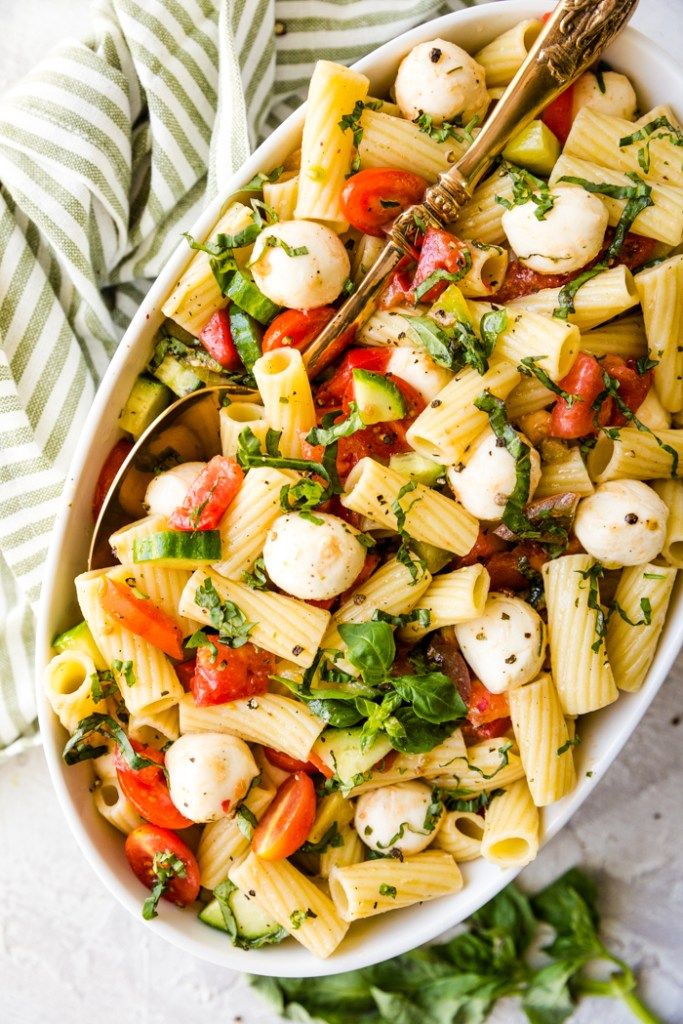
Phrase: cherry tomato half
(288, 820)
(380, 441)
(147, 789)
(230, 673)
(141, 846)
(208, 498)
(296, 328)
(485, 545)
(372, 198)
(185, 671)
(331, 393)
(285, 763)
(440, 251)
(142, 617)
(633, 386)
(216, 337)
(484, 706)
(584, 381)
(504, 567)
(112, 464)
(558, 115)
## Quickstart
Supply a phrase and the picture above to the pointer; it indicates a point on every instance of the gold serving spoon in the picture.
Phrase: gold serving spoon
(573, 38)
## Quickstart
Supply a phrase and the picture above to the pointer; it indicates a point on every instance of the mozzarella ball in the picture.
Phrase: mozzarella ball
(441, 79)
(505, 646)
(167, 490)
(622, 523)
(312, 560)
(569, 236)
(415, 366)
(209, 773)
(303, 281)
(618, 99)
(393, 818)
(484, 485)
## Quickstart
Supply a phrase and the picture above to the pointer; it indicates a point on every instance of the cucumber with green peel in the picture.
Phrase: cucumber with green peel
(147, 399)
(434, 558)
(246, 336)
(175, 549)
(378, 398)
(79, 638)
(239, 915)
(244, 293)
(340, 750)
(179, 378)
(417, 467)
(535, 148)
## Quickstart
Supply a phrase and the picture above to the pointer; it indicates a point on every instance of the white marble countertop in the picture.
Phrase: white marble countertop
(69, 952)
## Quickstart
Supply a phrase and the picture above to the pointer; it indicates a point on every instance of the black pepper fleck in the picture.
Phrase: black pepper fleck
(631, 518)
(435, 55)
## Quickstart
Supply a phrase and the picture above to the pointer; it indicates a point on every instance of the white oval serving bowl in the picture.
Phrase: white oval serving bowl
(603, 734)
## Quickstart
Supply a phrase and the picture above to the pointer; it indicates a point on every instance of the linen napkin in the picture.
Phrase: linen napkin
(109, 150)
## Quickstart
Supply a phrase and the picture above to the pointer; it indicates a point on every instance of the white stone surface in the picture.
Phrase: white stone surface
(68, 952)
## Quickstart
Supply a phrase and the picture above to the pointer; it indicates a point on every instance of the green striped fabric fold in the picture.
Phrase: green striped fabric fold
(109, 150)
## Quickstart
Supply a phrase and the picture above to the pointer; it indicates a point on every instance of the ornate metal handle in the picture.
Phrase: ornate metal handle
(573, 38)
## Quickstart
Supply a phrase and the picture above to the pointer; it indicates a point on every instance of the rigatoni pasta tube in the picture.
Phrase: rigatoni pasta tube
(148, 683)
(595, 136)
(294, 901)
(286, 395)
(661, 296)
(552, 342)
(67, 681)
(643, 594)
(115, 807)
(349, 851)
(282, 625)
(581, 671)
(270, 719)
(155, 730)
(504, 55)
(451, 598)
(606, 295)
(447, 427)
(234, 418)
(223, 844)
(282, 195)
(487, 765)
(387, 328)
(544, 744)
(487, 270)
(403, 768)
(527, 397)
(564, 475)
(624, 337)
(671, 493)
(363, 890)
(482, 217)
(460, 834)
(325, 146)
(663, 220)
(636, 455)
(251, 514)
(197, 295)
(511, 827)
(441, 757)
(373, 491)
(394, 142)
(333, 809)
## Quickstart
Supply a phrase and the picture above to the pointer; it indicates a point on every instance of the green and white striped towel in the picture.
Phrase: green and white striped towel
(108, 151)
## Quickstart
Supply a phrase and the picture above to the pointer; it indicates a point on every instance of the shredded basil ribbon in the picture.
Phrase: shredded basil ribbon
(638, 197)
(75, 750)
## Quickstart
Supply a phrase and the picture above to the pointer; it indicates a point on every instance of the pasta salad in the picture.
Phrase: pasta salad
(349, 651)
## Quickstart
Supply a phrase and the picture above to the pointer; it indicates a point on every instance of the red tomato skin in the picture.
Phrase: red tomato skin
(142, 617)
(147, 789)
(484, 706)
(380, 441)
(586, 382)
(140, 847)
(558, 115)
(440, 251)
(486, 545)
(288, 820)
(398, 290)
(362, 195)
(289, 764)
(296, 328)
(521, 280)
(488, 731)
(633, 386)
(503, 567)
(185, 671)
(112, 464)
(209, 497)
(216, 337)
(332, 392)
(233, 673)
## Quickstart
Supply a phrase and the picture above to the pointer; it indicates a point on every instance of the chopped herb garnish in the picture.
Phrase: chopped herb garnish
(200, 639)
(388, 890)
(166, 866)
(416, 566)
(125, 669)
(262, 178)
(102, 685)
(103, 725)
(331, 839)
(246, 821)
(328, 435)
(351, 122)
(593, 575)
(256, 577)
(249, 455)
(297, 917)
(454, 346)
(226, 616)
(565, 300)
(275, 242)
(645, 607)
(303, 497)
(491, 326)
(568, 745)
(527, 188)
(441, 274)
(660, 124)
(419, 615)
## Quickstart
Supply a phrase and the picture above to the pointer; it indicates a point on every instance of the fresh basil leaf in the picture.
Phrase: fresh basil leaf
(433, 696)
(226, 616)
(565, 300)
(414, 735)
(370, 648)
